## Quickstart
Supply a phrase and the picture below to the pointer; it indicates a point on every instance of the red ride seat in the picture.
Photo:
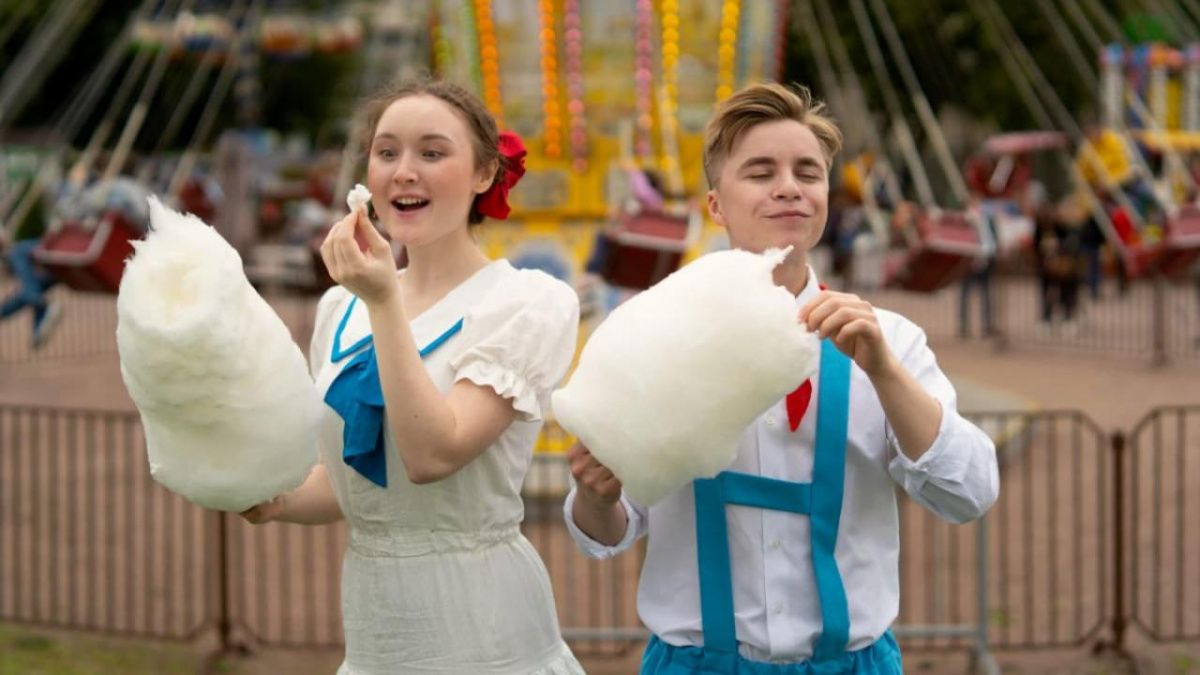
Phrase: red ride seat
(87, 257)
(949, 245)
(643, 248)
(1180, 247)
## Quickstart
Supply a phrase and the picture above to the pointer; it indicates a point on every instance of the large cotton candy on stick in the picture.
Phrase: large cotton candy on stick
(227, 404)
(667, 383)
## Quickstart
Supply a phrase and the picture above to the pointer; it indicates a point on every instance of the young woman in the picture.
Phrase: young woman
(436, 379)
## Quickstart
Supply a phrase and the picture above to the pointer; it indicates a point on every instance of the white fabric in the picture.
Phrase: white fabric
(667, 383)
(777, 615)
(228, 407)
(437, 578)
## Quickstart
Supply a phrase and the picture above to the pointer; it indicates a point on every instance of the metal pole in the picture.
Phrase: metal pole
(1120, 622)
(984, 662)
(224, 621)
(1160, 321)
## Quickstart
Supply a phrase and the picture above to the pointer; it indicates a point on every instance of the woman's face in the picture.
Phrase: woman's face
(421, 171)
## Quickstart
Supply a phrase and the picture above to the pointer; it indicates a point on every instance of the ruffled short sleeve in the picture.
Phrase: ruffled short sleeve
(323, 324)
(521, 340)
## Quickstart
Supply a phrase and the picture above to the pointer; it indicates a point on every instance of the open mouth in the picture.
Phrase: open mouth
(406, 204)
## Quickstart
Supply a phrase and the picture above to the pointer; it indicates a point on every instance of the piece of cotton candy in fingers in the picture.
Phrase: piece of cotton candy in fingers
(666, 384)
(358, 196)
(227, 404)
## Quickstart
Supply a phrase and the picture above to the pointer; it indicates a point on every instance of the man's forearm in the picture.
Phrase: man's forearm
(605, 522)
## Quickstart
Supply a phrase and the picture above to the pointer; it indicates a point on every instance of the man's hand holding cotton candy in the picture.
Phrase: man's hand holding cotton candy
(851, 323)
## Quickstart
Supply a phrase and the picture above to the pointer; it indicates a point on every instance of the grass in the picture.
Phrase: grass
(32, 651)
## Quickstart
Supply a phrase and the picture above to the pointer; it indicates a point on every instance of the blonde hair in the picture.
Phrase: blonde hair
(760, 103)
(485, 136)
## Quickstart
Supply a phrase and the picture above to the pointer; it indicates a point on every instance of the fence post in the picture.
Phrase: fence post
(1159, 321)
(1120, 619)
(984, 662)
(224, 621)
(999, 319)
(226, 644)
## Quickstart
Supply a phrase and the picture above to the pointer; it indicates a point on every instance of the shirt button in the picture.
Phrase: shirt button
(772, 421)
(779, 608)
(775, 545)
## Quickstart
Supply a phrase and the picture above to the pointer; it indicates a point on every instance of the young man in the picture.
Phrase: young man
(804, 572)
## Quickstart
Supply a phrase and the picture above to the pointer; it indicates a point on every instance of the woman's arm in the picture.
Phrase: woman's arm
(313, 503)
(436, 435)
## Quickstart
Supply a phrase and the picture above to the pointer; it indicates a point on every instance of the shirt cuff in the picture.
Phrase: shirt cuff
(940, 462)
(592, 548)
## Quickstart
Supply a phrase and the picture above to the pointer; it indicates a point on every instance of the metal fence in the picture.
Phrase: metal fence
(1092, 534)
(1161, 489)
(1153, 320)
(87, 539)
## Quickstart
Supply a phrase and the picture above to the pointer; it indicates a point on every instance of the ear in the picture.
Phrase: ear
(714, 209)
(484, 177)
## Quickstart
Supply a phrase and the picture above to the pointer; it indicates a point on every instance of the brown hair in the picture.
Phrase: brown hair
(485, 135)
(760, 103)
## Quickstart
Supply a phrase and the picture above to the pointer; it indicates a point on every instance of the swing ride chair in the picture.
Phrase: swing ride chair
(1177, 253)
(949, 246)
(88, 255)
(644, 247)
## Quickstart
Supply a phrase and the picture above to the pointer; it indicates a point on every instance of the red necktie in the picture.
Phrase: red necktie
(797, 401)
(797, 404)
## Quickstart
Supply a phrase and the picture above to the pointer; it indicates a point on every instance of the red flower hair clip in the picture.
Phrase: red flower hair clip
(494, 202)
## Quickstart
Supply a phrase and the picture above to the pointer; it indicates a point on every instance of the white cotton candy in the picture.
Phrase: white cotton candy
(666, 384)
(358, 196)
(227, 404)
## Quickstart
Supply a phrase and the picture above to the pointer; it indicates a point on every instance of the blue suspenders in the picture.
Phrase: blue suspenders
(821, 500)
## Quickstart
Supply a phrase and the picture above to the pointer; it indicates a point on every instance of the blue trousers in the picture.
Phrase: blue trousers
(32, 282)
(881, 658)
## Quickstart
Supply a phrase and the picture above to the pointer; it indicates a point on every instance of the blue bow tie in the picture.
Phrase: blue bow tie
(357, 396)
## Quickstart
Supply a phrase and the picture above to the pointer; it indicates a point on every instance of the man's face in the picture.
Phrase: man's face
(772, 190)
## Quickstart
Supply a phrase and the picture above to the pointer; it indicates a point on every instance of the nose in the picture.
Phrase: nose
(787, 187)
(405, 172)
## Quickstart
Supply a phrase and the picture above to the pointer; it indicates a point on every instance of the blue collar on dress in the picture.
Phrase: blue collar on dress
(357, 395)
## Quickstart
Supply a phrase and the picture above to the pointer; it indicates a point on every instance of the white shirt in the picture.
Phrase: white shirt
(777, 613)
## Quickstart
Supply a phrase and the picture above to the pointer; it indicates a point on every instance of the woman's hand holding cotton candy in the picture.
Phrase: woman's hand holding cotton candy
(265, 512)
(595, 482)
(369, 274)
(851, 323)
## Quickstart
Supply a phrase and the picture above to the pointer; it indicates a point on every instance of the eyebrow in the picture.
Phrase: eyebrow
(424, 137)
(764, 161)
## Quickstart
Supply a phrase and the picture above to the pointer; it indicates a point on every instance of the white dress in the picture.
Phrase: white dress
(437, 578)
